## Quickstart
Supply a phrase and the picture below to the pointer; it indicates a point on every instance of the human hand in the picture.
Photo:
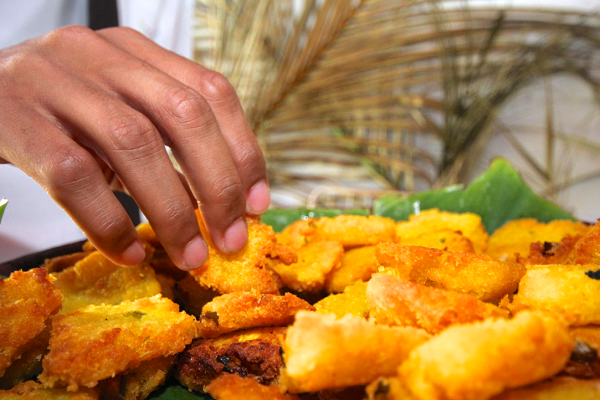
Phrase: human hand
(85, 112)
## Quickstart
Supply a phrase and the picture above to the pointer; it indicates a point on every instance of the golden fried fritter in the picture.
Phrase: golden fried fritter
(59, 263)
(253, 353)
(243, 310)
(357, 265)
(244, 270)
(31, 390)
(395, 302)
(516, 236)
(322, 352)
(98, 342)
(433, 220)
(352, 301)
(388, 388)
(560, 388)
(478, 360)
(295, 234)
(562, 290)
(443, 239)
(137, 383)
(587, 249)
(543, 253)
(315, 262)
(234, 387)
(27, 299)
(97, 280)
(29, 364)
(479, 275)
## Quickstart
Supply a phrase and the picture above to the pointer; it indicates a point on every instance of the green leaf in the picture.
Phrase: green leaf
(3, 204)
(498, 195)
(175, 391)
(280, 218)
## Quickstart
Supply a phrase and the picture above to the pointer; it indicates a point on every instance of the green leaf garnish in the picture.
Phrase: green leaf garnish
(3, 204)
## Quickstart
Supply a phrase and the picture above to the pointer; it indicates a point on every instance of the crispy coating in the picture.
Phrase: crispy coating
(295, 234)
(543, 253)
(562, 290)
(59, 263)
(315, 262)
(97, 280)
(29, 364)
(244, 270)
(243, 310)
(322, 352)
(137, 383)
(352, 301)
(27, 299)
(560, 388)
(234, 387)
(31, 390)
(98, 342)
(478, 275)
(433, 220)
(587, 249)
(253, 353)
(357, 265)
(443, 239)
(395, 302)
(516, 236)
(478, 360)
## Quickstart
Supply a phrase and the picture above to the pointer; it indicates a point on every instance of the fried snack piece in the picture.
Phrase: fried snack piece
(59, 263)
(352, 301)
(516, 236)
(253, 353)
(478, 275)
(234, 387)
(31, 390)
(315, 262)
(434, 220)
(137, 383)
(193, 296)
(27, 299)
(243, 310)
(29, 364)
(587, 249)
(388, 388)
(479, 360)
(98, 342)
(97, 280)
(244, 270)
(322, 352)
(357, 265)
(444, 239)
(550, 252)
(560, 388)
(295, 235)
(562, 290)
(395, 302)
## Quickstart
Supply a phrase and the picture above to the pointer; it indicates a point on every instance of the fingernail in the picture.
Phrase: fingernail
(259, 198)
(195, 253)
(134, 254)
(235, 236)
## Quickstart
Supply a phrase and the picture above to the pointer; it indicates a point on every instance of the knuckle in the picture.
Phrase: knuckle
(133, 132)
(215, 87)
(229, 194)
(187, 107)
(68, 35)
(64, 169)
(176, 213)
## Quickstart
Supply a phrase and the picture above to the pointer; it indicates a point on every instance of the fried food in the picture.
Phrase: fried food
(357, 265)
(315, 262)
(59, 263)
(31, 390)
(244, 270)
(515, 237)
(98, 342)
(560, 388)
(352, 301)
(253, 353)
(322, 352)
(443, 239)
(395, 302)
(27, 300)
(243, 310)
(234, 387)
(561, 290)
(478, 275)
(478, 360)
(587, 249)
(29, 364)
(97, 280)
(550, 252)
(192, 296)
(433, 220)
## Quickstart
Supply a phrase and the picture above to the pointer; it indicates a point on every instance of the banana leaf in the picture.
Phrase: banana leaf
(3, 204)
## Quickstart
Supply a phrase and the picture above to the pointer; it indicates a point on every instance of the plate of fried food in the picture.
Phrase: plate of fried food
(483, 292)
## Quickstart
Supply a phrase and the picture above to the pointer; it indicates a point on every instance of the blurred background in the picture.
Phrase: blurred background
(355, 99)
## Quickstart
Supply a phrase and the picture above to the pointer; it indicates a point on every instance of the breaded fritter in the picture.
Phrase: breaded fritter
(396, 302)
(479, 275)
(98, 342)
(562, 290)
(253, 353)
(31, 390)
(560, 388)
(478, 360)
(234, 387)
(322, 352)
(543, 253)
(244, 270)
(352, 301)
(29, 364)
(97, 280)
(357, 265)
(443, 239)
(243, 310)
(27, 300)
(433, 220)
(587, 249)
